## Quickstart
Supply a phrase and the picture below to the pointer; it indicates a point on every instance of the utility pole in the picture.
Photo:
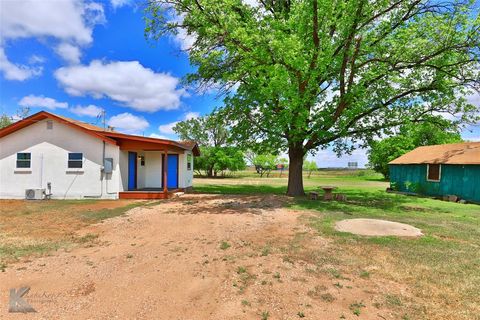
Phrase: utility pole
(102, 114)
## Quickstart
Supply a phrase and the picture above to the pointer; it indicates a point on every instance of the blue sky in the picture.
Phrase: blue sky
(103, 61)
(74, 58)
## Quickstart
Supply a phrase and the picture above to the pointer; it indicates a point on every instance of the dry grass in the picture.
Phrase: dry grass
(38, 227)
(434, 277)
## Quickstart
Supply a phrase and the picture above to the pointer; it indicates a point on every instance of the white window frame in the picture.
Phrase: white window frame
(23, 160)
(68, 161)
(439, 172)
(189, 161)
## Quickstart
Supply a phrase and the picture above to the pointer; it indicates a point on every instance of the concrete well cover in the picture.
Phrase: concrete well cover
(375, 227)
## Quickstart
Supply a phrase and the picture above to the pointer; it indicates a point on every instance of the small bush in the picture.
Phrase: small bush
(224, 245)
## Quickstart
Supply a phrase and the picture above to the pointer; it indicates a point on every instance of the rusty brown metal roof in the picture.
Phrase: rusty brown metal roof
(185, 144)
(82, 124)
(454, 153)
(106, 135)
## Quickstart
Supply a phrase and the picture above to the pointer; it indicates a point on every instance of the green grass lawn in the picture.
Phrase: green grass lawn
(440, 271)
(248, 182)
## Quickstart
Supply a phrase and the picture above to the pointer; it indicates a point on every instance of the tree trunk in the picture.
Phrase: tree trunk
(295, 177)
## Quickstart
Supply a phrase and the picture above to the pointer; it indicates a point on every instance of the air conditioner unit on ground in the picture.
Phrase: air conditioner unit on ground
(34, 194)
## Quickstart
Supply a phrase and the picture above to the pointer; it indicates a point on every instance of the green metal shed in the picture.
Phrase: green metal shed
(440, 170)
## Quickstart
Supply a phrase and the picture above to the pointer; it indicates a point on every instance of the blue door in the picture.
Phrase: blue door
(132, 170)
(172, 173)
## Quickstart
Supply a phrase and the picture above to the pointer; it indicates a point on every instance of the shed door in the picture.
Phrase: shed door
(172, 173)
(132, 170)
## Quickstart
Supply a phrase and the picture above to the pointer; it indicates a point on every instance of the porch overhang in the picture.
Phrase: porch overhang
(130, 142)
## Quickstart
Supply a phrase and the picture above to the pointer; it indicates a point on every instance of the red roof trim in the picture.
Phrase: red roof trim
(194, 147)
(106, 136)
(42, 115)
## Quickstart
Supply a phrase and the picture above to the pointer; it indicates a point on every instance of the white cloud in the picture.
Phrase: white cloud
(168, 128)
(70, 21)
(93, 14)
(119, 3)
(12, 71)
(474, 99)
(128, 123)
(447, 115)
(89, 111)
(66, 20)
(127, 82)
(158, 136)
(35, 59)
(42, 102)
(69, 52)
(191, 115)
(182, 38)
(253, 3)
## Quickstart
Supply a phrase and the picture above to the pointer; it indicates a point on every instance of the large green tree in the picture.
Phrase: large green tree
(300, 75)
(217, 160)
(210, 130)
(4, 121)
(409, 137)
(310, 166)
(212, 134)
(265, 163)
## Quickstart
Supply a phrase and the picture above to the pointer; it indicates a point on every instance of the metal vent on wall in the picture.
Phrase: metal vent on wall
(49, 125)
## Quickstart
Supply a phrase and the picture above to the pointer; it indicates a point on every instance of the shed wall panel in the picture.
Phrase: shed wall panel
(460, 180)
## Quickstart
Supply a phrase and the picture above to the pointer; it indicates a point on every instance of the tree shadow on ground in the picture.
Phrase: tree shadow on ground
(377, 179)
(231, 204)
(359, 201)
(241, 189)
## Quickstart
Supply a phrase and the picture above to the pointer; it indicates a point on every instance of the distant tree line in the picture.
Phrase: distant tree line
(410, 136)
(218, 154)
(21, 113)
(5, 121)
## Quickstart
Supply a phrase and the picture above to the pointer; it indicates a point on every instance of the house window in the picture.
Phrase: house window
(433, 172)
(189, 162)
(24, 159)
(75, 160)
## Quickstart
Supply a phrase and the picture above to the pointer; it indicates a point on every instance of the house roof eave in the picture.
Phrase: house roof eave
(42, 115)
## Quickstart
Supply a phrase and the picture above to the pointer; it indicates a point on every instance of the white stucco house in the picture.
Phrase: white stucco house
(46, 155)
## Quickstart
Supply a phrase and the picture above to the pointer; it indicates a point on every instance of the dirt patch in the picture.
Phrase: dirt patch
(52, 219)
(197, 257)
(374, 227)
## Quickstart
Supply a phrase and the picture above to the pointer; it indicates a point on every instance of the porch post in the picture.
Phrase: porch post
(165, 171)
